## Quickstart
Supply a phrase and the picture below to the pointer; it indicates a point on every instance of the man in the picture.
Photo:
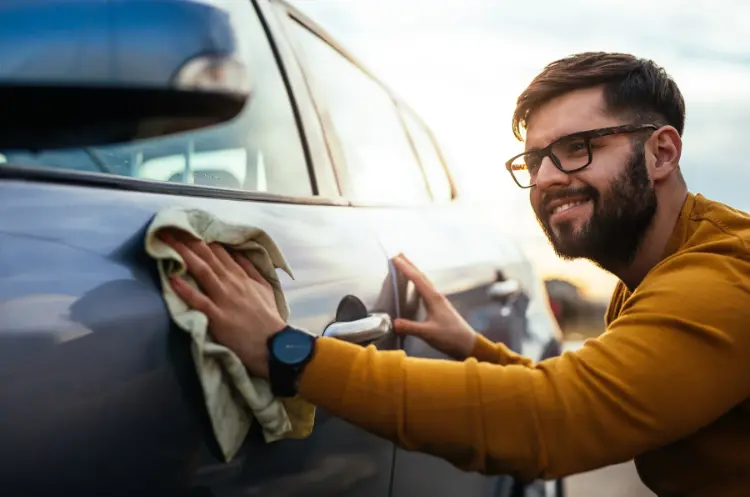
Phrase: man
(667, 384)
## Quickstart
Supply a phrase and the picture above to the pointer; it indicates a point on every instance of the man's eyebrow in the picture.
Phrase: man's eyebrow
(536, 149)
(558, 137)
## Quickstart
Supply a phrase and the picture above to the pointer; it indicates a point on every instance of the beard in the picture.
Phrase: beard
(621, 216)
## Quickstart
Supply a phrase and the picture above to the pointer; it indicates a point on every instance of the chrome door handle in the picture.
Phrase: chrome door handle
(369, 329)
(502, 290)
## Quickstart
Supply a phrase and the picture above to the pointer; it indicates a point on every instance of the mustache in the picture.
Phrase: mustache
(581, 191)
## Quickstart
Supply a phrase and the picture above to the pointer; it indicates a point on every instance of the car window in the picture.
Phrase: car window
(380, 161)
(260, 150)
(429, 155)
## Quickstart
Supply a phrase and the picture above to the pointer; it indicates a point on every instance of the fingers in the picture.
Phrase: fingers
(207, 255)
(198, 246)
(226, 260)
(423, 285)
(210, 264)
(415, 328)
(193, 298)
(250, 268)
(196, 265)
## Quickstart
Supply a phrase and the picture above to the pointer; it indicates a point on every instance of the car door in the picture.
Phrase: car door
(98, 393)
(380, 171)
(497, 306)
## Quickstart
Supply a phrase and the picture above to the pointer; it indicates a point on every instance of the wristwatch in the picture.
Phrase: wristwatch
(289, 350)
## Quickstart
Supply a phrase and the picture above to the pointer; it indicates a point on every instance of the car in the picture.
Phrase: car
(98, 393)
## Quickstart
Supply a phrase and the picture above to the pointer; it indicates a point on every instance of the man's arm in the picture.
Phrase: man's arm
(497, 353)
(674, 361)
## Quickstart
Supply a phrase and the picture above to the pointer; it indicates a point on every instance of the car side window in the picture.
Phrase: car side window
(429, 154)
(260, 150)
(380, 161)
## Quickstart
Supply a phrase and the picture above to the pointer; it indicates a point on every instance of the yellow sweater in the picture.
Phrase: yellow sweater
(668, 383)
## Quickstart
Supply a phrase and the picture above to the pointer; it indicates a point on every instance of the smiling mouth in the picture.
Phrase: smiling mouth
(567, 206)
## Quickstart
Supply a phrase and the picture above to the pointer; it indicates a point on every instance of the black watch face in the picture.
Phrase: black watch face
(291, 347)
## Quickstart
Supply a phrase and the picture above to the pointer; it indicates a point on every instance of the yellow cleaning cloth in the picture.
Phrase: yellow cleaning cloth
(232, 397)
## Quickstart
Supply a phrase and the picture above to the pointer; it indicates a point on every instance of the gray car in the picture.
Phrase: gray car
(98, 394)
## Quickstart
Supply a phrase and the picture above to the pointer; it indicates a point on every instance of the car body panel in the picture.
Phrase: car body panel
(461, 268)
(98, 392)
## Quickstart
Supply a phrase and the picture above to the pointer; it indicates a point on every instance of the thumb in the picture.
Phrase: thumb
(408, 327)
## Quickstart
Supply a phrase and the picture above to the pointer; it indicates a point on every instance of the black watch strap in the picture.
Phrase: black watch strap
(283, 378)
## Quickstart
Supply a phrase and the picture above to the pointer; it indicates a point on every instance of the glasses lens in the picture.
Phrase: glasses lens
(572, 153)
(522, 168)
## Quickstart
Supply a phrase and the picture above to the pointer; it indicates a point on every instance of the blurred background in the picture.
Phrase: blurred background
(462, 65)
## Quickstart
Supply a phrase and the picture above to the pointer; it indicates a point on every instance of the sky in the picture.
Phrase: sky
(461, 65)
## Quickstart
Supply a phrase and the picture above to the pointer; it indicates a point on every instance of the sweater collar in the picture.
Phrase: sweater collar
(680, 232)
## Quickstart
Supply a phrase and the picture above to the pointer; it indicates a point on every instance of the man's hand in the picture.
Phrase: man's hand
(444, 328)
(237, 300)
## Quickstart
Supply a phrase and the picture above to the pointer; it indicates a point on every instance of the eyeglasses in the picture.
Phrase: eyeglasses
(569, 154)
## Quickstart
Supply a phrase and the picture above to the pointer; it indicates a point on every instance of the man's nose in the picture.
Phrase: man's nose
(548, 175)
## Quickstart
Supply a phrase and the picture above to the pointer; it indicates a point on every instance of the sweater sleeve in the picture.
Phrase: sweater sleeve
(673, 361)
(497, 353)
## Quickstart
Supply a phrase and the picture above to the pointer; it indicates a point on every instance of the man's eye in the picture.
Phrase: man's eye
(571, 148)
(576, 147)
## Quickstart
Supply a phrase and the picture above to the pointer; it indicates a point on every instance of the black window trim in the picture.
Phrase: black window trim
(272, 43)
(104, 180)
(295, 82)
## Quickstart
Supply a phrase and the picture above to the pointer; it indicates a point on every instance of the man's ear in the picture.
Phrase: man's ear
(665, 145)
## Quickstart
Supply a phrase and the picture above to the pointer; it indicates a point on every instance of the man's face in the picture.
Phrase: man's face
(602, 212)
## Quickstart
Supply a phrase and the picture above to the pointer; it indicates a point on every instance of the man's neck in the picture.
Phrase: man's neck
(653, 245)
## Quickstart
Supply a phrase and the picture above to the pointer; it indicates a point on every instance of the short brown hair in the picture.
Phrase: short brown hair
(637, 88)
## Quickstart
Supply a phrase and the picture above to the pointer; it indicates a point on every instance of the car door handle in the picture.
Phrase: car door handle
(502, 290)
(368, 329)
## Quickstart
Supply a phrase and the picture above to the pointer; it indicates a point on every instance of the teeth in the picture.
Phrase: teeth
(566, 206)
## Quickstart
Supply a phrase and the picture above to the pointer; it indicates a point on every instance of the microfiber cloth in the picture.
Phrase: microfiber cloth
(233, 398)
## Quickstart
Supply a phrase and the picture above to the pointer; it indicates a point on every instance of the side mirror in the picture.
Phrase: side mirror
(88, 72)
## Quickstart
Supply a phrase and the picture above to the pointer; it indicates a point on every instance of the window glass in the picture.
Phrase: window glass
(380, 161)
(260, 150)
(432, 162)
